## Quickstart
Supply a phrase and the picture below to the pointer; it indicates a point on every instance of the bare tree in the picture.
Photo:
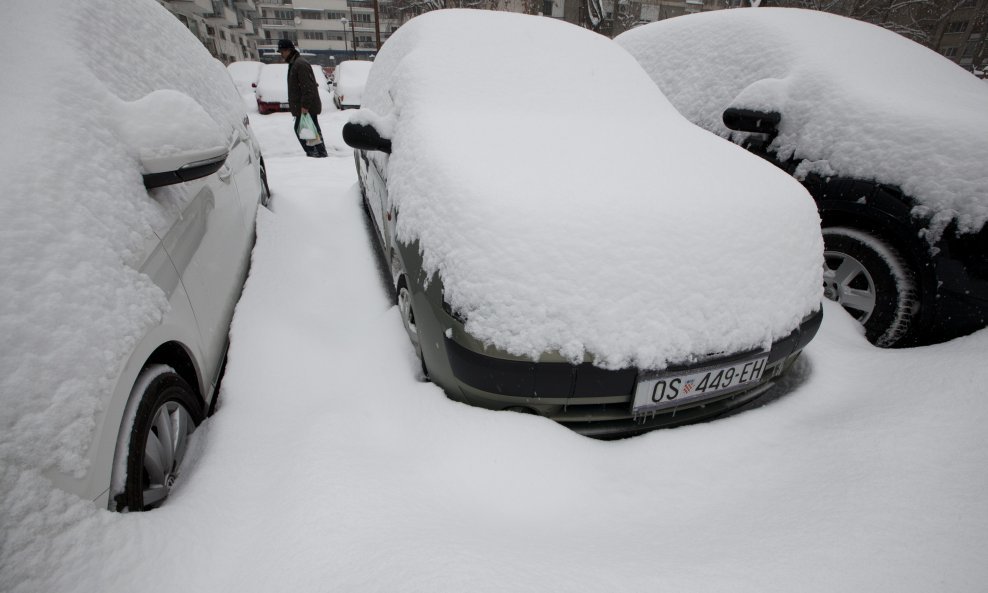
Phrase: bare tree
(923, 21)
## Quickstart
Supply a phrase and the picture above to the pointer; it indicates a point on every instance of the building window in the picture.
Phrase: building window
(210, 31)
(950, 52)
(285, 15)
(969, 50)
(361, 18)
(957, 27)
(313, 35)
(223, 35)
(335, 16)
(311, 14)
(547, 7)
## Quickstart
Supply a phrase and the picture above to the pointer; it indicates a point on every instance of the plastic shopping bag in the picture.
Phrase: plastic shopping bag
(307, 129)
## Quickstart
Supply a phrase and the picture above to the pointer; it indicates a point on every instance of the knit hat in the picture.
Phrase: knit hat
(285, 44)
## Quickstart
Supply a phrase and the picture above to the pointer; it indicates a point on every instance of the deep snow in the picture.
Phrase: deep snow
(329, 468)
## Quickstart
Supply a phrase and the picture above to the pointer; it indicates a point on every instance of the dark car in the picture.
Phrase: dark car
(552, 258)
(890, 138)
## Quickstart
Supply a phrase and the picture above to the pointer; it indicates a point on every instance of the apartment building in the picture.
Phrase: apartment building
(329, 31)
(961, 36)
(225, 27)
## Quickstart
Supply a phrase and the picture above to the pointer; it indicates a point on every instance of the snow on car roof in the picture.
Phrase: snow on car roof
(353, 71)
(856, 100)
(272, 83)
(75, 216)
(568, 207)
(244, 74)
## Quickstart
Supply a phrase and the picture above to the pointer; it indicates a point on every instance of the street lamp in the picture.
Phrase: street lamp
(346, 47)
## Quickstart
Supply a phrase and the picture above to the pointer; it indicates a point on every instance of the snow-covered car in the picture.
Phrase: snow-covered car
(889, 137)
(348, 83)
(580, 263)
(244, 75)
(272, 88)
(127, 226)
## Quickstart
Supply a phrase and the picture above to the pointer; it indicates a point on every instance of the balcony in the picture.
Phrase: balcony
(198, 7)
(245, 5)
(276, 23)
(246, 26)
(226, 16)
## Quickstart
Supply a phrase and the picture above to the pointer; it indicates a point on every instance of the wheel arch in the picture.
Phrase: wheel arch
(885, 213)
(172, 354)
(879, 210)
(175, 355)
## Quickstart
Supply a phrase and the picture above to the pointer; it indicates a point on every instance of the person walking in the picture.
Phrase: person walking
(303, 95)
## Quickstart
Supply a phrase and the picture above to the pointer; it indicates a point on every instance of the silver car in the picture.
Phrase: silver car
(147, 205)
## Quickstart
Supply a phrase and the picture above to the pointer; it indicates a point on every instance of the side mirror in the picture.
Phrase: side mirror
(183, 166)
(365, 137)
(749, 120)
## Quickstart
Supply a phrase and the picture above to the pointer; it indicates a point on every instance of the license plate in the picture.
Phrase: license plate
(665, 390)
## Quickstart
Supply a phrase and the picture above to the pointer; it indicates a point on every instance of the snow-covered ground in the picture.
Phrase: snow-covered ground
(327, 467)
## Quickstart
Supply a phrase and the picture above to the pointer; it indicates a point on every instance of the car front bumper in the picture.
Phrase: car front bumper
(598, 402)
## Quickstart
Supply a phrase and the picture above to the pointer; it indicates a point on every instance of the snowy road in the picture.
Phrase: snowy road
(327, 467)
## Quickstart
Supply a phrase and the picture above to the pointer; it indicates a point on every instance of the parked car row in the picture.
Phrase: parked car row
(590, 253)
(272, 87)
(269, 84)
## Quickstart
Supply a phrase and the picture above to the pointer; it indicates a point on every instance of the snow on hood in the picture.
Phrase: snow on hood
(856, 100)
(676, 243)
(75, 218)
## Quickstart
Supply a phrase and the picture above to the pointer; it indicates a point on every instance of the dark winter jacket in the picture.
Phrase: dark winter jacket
(303, 91)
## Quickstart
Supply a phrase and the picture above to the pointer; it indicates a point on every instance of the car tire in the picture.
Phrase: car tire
(403, 298)
(872, 281)
(168, 412)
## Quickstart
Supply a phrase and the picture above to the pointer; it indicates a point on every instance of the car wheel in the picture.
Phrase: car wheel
(168, 412)
(872, 281)
(404, 302)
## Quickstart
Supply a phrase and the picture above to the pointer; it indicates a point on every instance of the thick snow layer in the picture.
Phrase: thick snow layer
(568, 207)
(350, 77)
(328, 467)
(165, 123)
(83, 96)
(244, 74)
(272, 84)
(856, 100)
